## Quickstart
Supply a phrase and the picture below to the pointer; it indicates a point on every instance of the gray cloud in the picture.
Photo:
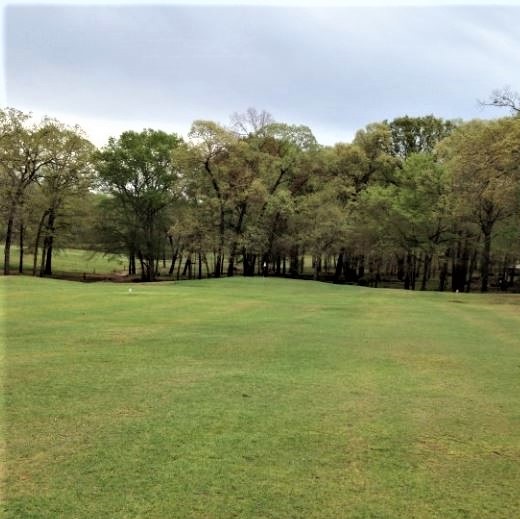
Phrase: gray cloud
(335, 69)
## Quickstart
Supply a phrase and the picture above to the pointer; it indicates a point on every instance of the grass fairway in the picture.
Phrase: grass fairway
(259, 399)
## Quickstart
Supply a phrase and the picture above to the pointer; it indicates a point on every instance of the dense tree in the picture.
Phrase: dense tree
(411, 199)
(211, 148)
(483, 156)
(24, 152)
(418, 134)
(65, 180)
(288, 153)
(140, 174)
(414, 214)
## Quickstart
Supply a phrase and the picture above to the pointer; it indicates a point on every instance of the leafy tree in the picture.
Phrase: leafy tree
(140, 173)
(63, 183)
(285, 155)
(320, 225)
(24, 151)
(483, 158)
(417, 212)
(375, 141)
(418, 134)
(351, 168)
(211, 144)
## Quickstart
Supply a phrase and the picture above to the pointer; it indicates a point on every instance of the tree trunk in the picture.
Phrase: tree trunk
(48, 260)
(172, 264)
(486, 260)
(460, 267)
(278, 265)
(264, 267)
(361, 267)
(22, 236)
(400, 268)
(37, 241)
(408, 272)
(317, 268)
(339, 267)
(141, 264)
(237, 231)
(8, 239)
(49, 239)
(293, 262)
(414, 271)
(377, 279)
(471, 269)
(206, 264)
(249, 263)
(150, 268)
(175, 253)
(426, 270)
(443, 274)
(187, 267)
(131, 264)
(231, 260)
(44, 254)
(179, 267)
(222, 222)
(219, 263)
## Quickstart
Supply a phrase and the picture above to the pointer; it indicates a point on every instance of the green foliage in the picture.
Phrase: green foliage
(483, 159)
(43, 167)
(418, 134)
(139, 173)
(422, 190)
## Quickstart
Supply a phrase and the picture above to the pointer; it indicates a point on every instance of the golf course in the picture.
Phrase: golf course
(258, 398)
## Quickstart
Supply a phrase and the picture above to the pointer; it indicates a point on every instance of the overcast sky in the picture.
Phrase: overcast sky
(335, 69)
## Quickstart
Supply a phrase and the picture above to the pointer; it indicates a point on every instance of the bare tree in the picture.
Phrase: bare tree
(250, 122)
(504, 98)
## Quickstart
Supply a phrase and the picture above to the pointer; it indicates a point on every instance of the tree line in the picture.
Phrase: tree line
(421, 201)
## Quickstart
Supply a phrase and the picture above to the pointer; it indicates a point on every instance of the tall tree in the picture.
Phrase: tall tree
(211, 145)
(484, 159)
(414, 213)
(67, 177)
(140, 173)
(418, 134)
(283, 154)
(352, 168)
(24, 151)
(251, 122)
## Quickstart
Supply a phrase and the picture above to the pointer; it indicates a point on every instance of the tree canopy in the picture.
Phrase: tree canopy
(414, 200)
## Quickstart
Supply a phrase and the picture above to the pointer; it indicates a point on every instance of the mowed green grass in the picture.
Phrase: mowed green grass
(259, 398)
(70, 261)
